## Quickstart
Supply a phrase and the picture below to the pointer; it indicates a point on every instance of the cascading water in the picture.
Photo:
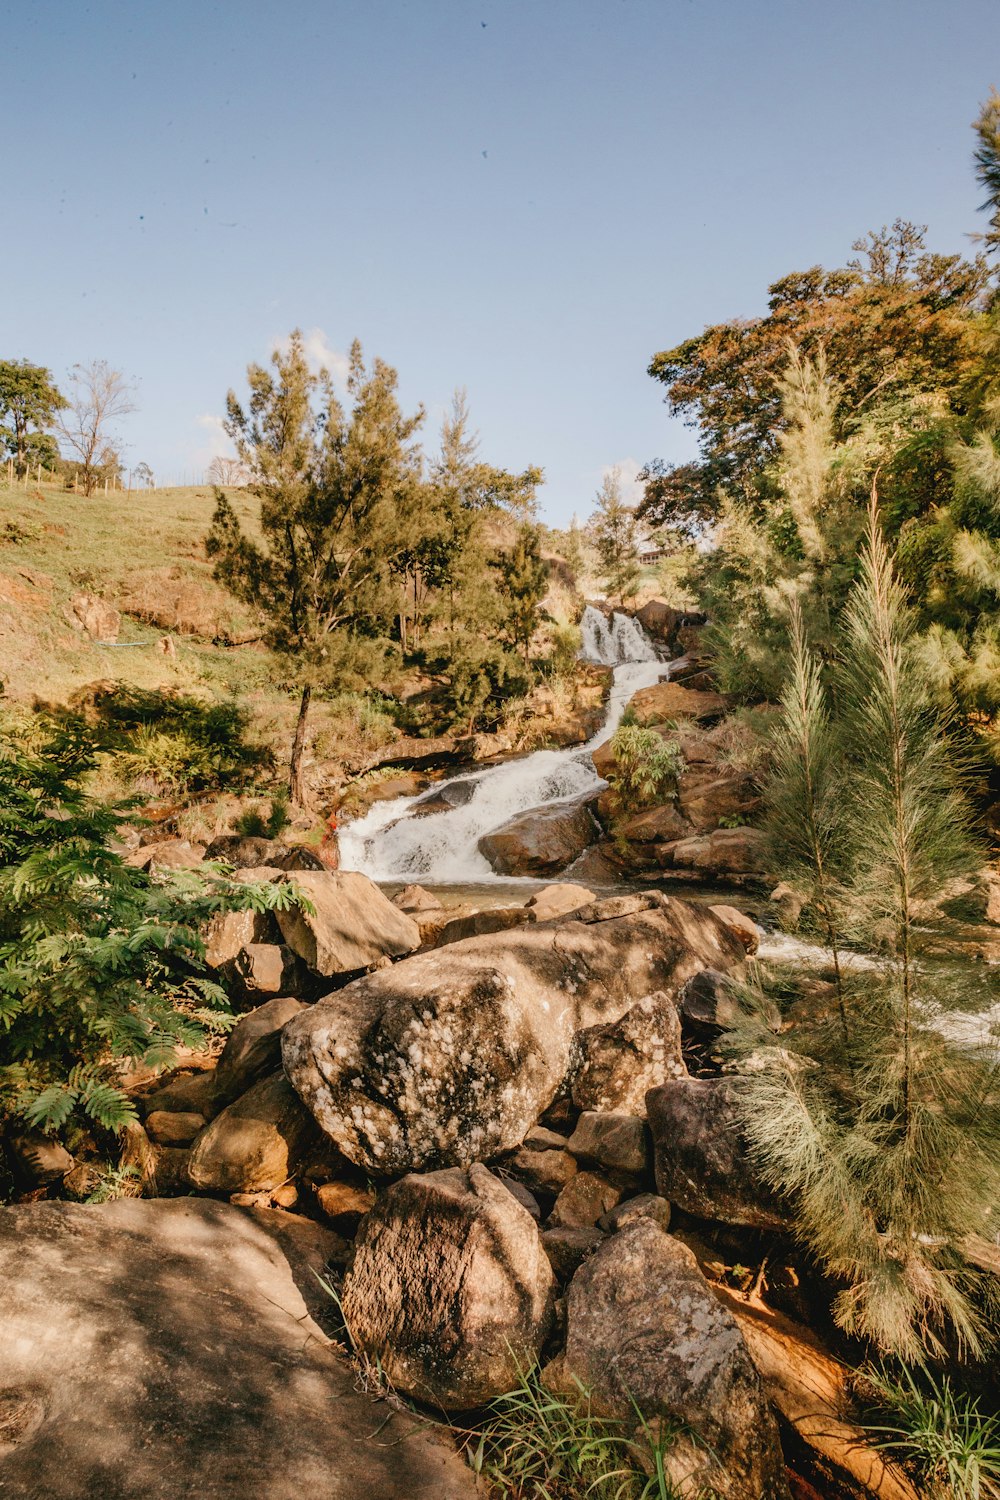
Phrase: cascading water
(393, 842)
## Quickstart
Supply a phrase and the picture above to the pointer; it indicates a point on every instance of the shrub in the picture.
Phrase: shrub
(940, 1432)
(647, 767)
(255, 823)
(100, 963)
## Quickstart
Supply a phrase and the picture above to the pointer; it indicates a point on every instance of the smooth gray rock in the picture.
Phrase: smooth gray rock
(160, 1350)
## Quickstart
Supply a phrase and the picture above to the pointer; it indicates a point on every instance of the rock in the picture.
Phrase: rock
(740, 925)
(450, 1288)
(168, 854)
(344, 1206)
(37, 1159)
(478, 924)
(264, 971)
(595, 867)
(253, 1048)
(186, 1093)
(622, 1060)
(526, 1198)
(155, 1350)
(659, 620)
(169, 1172)
(727, 851)
(96, 616)
(541, 842)
(667, 701)
(567, 1248)
(707, 797)
(82, 1181)
(643, 1326)
(585, 1199)
(539, 1138)
(618, 1142)
(544, 1171)
(645, 1206)
(656, 825)
(248, 852)
(255, 1143)
(352, 926)
(709, 1004)
(700, 1156)
(413, 899)
(171, 1128)
(453, 1055)
(558, 901)
(228, 932)
(789, 904)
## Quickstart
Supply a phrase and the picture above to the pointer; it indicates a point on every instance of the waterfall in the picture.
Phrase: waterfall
(391, 843)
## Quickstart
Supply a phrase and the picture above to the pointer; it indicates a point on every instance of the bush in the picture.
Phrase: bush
(647, 768)
(100, 963)
(937, 1430)
(255, 823)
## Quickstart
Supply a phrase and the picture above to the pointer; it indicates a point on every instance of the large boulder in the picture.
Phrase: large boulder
(558, 900)
(228, 932)
(449, 1288)
(700, 1154)
(452, 1056)
(254, 1144)
(153, 1350)
(727, 851)
(352, 924)
(643, 1327)
(667, 701)
(253, 1048)
(541, 842)
(620, 1061)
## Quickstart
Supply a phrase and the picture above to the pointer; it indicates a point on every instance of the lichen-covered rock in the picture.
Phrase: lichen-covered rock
(700, 1156)
(587, 1197)
(618, 1142)
(449, 1288)
(643, 1327)
(620, 1061)
(353, 924)
(452, 1056)
(256, 1143)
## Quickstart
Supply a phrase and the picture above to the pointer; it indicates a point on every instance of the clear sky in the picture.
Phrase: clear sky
(524, 197)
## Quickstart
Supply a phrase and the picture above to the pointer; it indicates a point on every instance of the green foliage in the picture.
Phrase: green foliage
(524, 577)
(482, 676)
(987, 128)
(538, 1445)
(29, 401)
(647, 767)
(952, 1446)
(613, 527)
(99, 962)
(254, 822)
(885, 1135)
(176, 741)
(566, 643)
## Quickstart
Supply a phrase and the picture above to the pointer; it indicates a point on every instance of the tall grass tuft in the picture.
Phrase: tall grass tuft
(940, 1432)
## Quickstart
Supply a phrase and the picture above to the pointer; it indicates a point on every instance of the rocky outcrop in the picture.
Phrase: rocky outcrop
(97, 616)
(254, 1144)
(352, 924)
(249, 852)
(153, 1350)
(618, 1142)
(452, 1056)
(643, 1327)
(167, 854)
(700, 1155)
(449, 1288)
(542, 841)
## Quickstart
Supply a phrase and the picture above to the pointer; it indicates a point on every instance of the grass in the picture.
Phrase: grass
(940, 1433)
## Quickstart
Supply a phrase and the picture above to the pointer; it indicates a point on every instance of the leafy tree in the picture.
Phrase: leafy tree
(885, 1134)
(339, 494)
(524, 579)
(100, 963)
(29, 402)
(573, 548)
(613, 526)
(99, 396)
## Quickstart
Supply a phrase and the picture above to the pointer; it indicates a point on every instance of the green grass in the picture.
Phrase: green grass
(940, 1432)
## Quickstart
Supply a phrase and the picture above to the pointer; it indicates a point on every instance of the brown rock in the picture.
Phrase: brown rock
(701, 1159)
(255, 1143)
(707, 797)
(622, 1060)
(540, 1138)
(252, 855)
(645, 1206)
(253, 1048)
(168, 854)
(478, 924)
(230, 931)
(169, 1173)
(740, 925)
(656, 825)
(568, 1247)
(38, 1159)
(585, 1199)
(413, 899)
(96, 616)
(265, 971)
(659, 620)
(558, 900)
(666, 701)
(171, 1128)
(709, 1003)
(353, 923)
(344, 1206)
(727, 851)
(619, 1142)
(544, 1171)
(644, 1329)
(186, 1093)
(450, 1287)
(541, 842)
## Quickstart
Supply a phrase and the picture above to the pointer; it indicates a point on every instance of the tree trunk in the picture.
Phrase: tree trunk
(296, 782)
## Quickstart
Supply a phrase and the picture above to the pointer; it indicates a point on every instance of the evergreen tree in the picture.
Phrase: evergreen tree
(524, 578)
(987, 128)
(340, 503)
(613, 526)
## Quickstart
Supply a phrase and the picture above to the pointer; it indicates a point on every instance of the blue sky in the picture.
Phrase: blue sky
(524, 197)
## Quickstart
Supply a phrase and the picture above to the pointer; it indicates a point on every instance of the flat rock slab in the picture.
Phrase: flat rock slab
(162, 1350)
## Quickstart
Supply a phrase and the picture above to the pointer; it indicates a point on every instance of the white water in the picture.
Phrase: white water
(389, 844)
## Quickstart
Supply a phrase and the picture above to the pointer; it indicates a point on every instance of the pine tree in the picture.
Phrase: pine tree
(524, 576)
(987, 156)
(613, 526)
(339, 501)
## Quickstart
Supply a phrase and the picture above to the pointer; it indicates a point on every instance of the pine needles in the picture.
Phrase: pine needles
(889, 1143)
